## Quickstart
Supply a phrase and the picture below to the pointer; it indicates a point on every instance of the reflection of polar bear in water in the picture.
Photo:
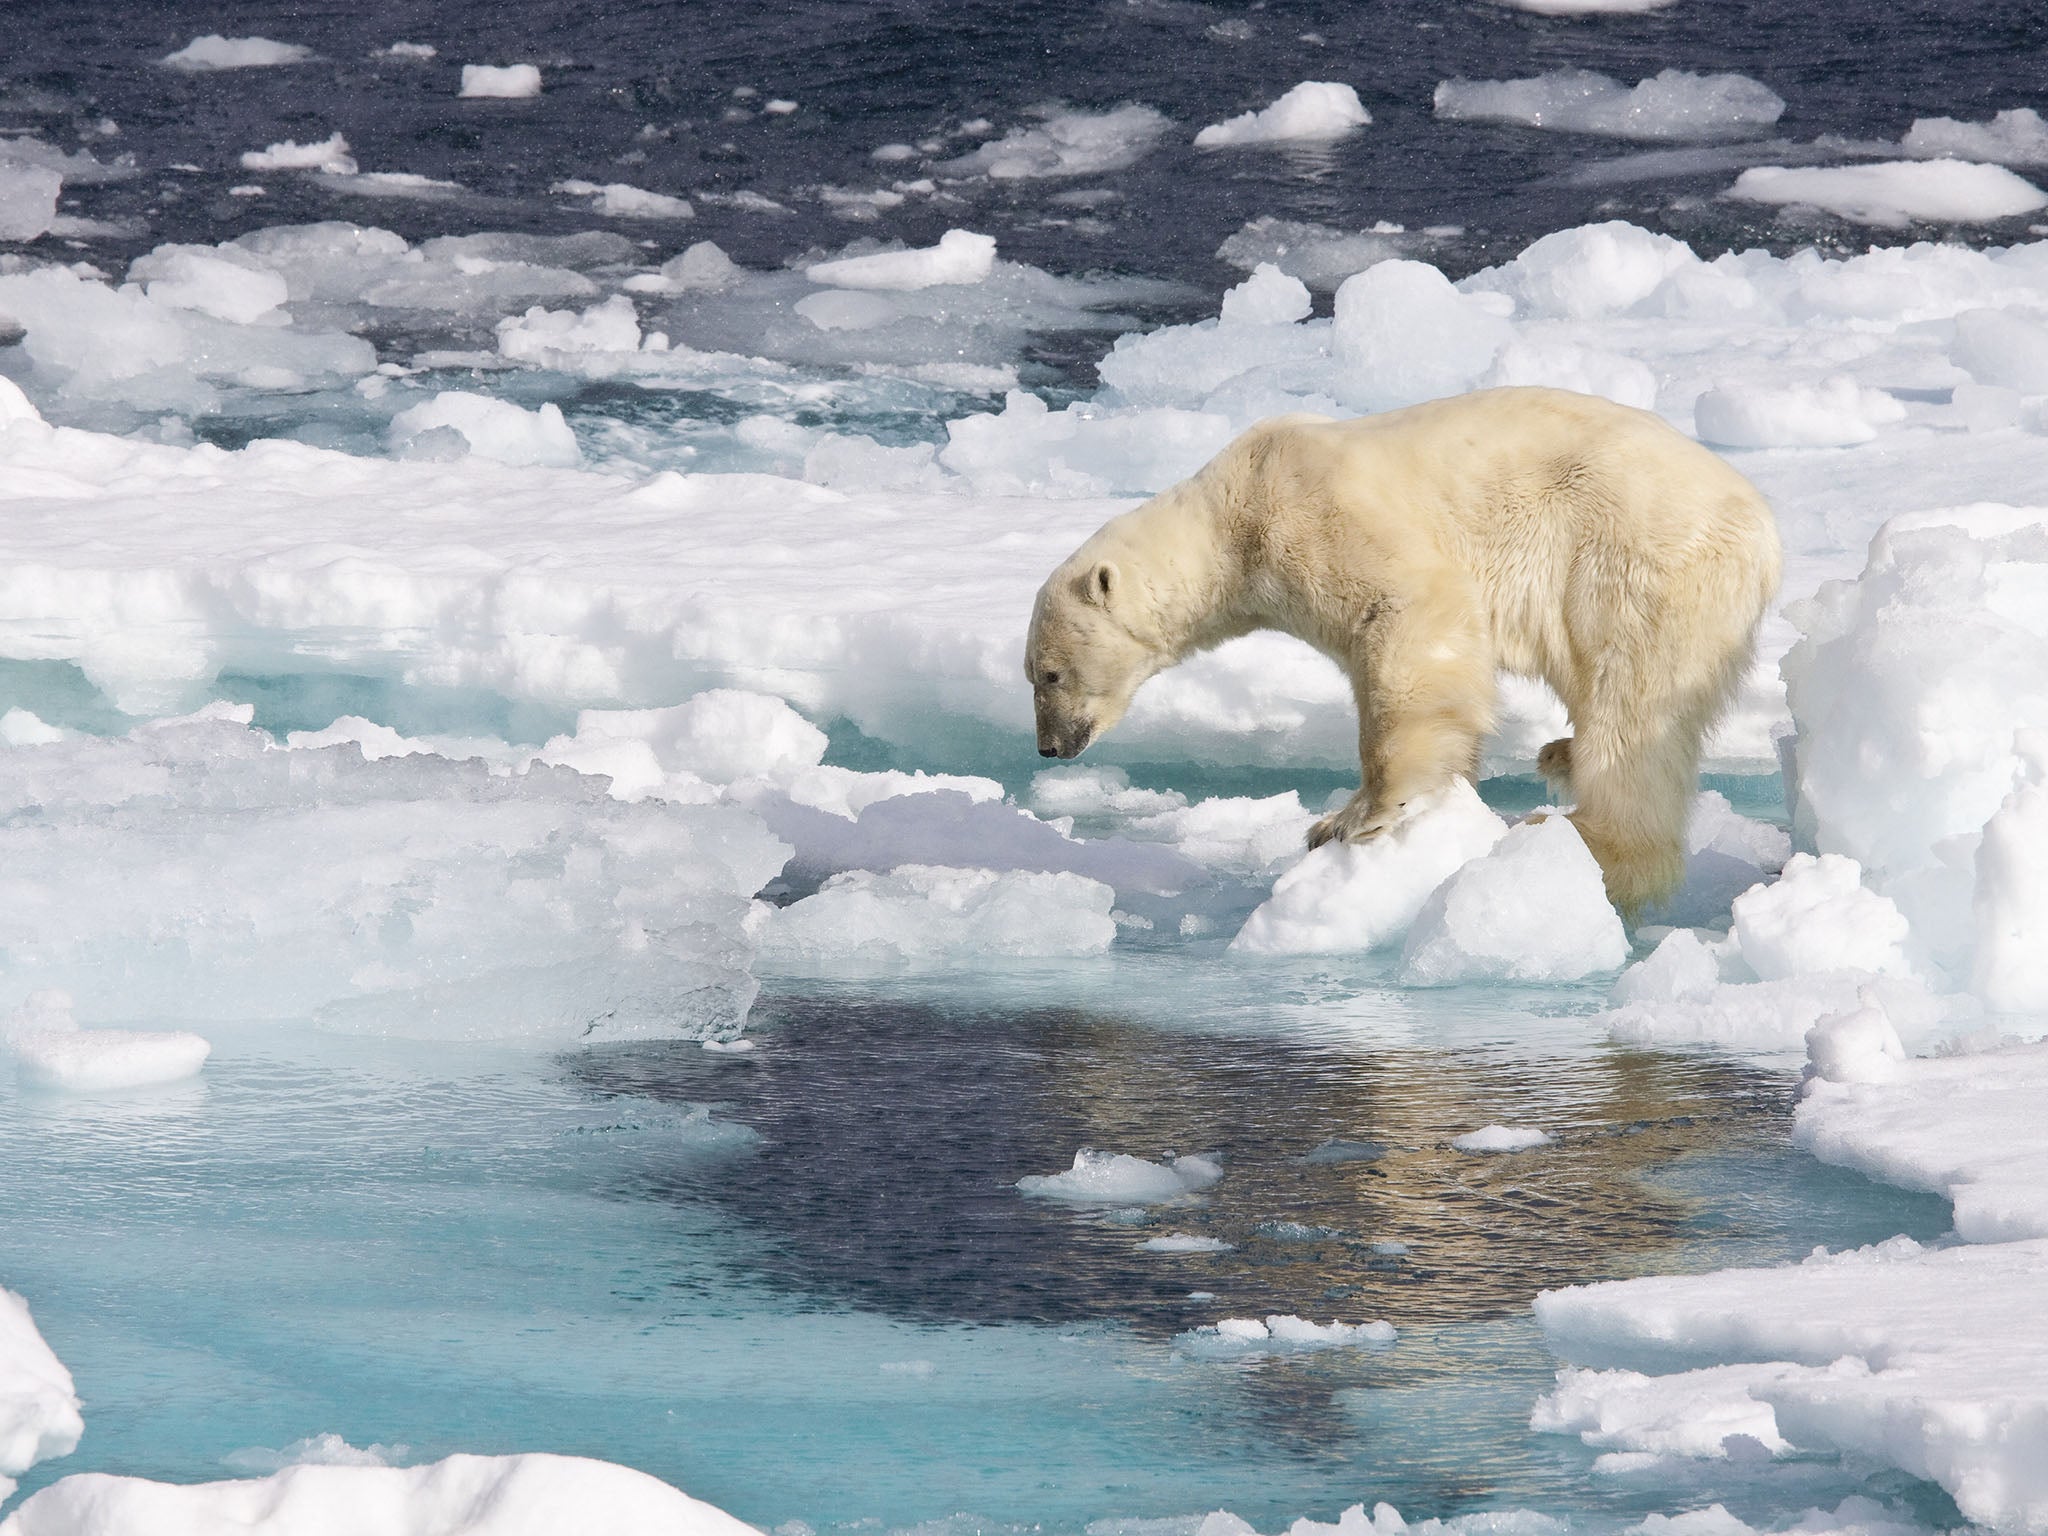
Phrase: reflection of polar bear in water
(1550, 534)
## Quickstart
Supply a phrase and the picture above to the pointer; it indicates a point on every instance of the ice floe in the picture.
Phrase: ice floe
(1896, 192)
(504, 82)
(1238, 1338)
(39, 1415)
(1315, 110)
(1675, 104)
(1118, 1178)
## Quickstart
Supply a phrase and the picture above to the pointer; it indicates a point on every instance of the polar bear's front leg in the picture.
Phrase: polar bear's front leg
(1425, 691)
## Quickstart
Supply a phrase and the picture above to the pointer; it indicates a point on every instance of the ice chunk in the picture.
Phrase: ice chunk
(28, 200)
(1069, 144)
(488, 427)
(621, 200)
(1596, 269)
(1894, 193)
(213, 52)
(1835, 413)
(530, 1495)
(1186, 1242)
(1313, 110)
(1501, 1138)
(1858, 1047)
(2002, 348)
(39, 1415)
(1819, 916)
(551, 338)
(961, 256)
(330, 154)
(1235, 1338)
(185, 277)
(1230, 831)
(1083, 790)
(1357, 896)
(1403, 334)
(327, 1450)
(1675, 104)
(922, 913)
(2010, 904)
(1320, 256)
(53, 1052)
(722, 735)
(1030, 449)
(1117, 1178)
(1561, 365)
(1704, 1414)
(1268, 297)
(1533, 909)
(501, 81)
(2018, 136)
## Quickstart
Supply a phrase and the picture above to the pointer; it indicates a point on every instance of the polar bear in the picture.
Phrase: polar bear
(1425, 550)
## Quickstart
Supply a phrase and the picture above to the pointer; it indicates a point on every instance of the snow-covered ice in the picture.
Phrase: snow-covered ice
(2017, 136)
(213, 51)
(51, 1051)
(1238, 1338)
(1672, 105)
(919, 913)
(1118, 1178)
(504, 82)
(1067, 144)
(1897, 192)
(1313, 111)
(1502, 1138)
(961, 256)
(1531, 909)
(39, 1415)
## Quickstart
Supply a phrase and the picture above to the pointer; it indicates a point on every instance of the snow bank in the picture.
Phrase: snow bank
(530, 1495)
(193, 869)
(961, 256)
(1358, 896)
(1672, 105)
(457, 422)
(505, 82)
(1501, 1138)
(1237, 1338)
(1835, 413)
(1895, 193)
(213, 51)
(38, 1408)
(1315, 110)
(924, 914)
(1532, 909)
(2015, 137)
(51, 1051)
(1117, 1178)
(1068, 144)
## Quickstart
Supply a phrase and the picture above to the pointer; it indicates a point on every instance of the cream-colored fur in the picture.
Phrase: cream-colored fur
(1527, 530)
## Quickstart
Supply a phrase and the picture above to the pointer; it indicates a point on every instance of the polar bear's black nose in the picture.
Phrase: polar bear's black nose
(1048, 751)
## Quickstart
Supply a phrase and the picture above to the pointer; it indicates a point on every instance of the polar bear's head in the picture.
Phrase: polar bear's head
(1083, 660)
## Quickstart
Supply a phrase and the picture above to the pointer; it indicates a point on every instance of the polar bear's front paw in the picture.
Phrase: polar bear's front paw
(1355, 823)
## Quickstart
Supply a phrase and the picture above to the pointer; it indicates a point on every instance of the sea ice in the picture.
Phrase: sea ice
(51, 1051)
(1501, 1138)
(961, 256)
(1358, 896)
(1705, 1414)
(529, 1495)
(500, 81)
(1818, 916)
(1315, 110)
(1672, 105)
(1894, 193)
(39, 1415)
(1532, 909)
(1835, 413)
(1186, 1242)
(330, 154)
(1117, 1178)
(28, 200)
(1587, 7)
(486, 426)
(213, 52)
(1319, 255)
(1236, 1338)
(2010, 904)
(1402, 334)
(622, 200)
(925, 914)
(2018, 136)
(1069, 144)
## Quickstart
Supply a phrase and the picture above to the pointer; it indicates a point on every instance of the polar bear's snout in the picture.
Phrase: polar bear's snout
(1061, 735)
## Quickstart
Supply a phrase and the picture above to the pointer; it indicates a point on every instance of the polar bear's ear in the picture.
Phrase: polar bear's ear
(1099, 583)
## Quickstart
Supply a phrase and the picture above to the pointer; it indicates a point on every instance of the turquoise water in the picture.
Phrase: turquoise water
(799, 1283)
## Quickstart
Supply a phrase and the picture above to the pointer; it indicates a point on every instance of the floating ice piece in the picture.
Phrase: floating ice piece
(325, 1450)
(38, 1406)
(1675, 104)
(530, 1495)
(921, 913)
(187, 277)
(2018, 136)
(1235, 1338)
(961, 256)
(486, 426)
(1403, 334)
(1186, 1242)
(213, 52)
(419, 52)
(1267, 297)
(1835, 413)
(1117, 1178)
(1894, 193)
(1086, 790)
(1319, 255)
(1069, 144)
(1237, 832)
(2010, 904)
(28, 200)
(330, 154)
(1869, 1352)
(1315, 110)
(1819, 916)
(553, 338)
(500, 81)
(1705, 1414)
(1587, 7)
(1533, 909)
(1856, 1047)
(1358, 896)
(1502, 1138)
(621, 200)
(51, 1051)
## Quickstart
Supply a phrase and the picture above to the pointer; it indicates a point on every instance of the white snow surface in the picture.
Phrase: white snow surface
(1893, 193)
(1674, 104)
(1118, 1178)
(1313, 111)
(1359, 896)
(528, 1495)
(39, 1415)
(1533, 908)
